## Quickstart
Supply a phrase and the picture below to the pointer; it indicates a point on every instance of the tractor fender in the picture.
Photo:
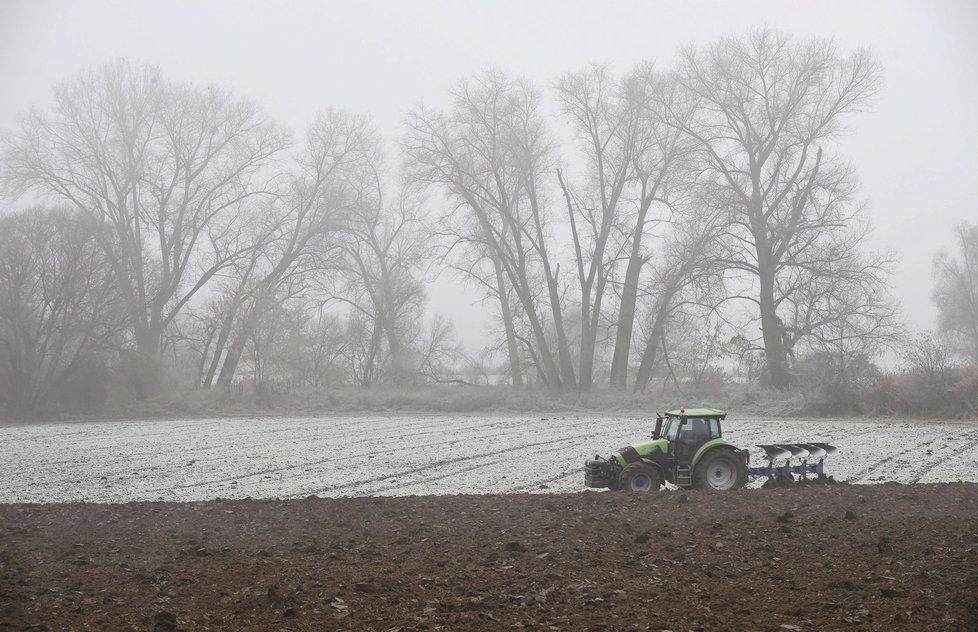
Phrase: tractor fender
(657, 466)
(713, 444)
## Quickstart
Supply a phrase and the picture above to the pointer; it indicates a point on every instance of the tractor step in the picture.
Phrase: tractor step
(684, 477)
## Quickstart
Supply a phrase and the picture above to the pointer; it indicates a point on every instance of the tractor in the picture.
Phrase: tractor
(688, 450)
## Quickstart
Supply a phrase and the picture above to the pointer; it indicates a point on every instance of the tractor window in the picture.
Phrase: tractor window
(696, 430)
(714, 428)
(671, 429)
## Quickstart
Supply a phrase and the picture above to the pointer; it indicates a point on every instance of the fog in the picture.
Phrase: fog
(915, 153)
(289, 199)
(323, 315)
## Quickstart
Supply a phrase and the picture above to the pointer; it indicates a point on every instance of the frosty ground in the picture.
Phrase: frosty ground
(201, 459)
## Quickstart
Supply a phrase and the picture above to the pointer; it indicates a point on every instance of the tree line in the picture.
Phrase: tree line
(179, 238)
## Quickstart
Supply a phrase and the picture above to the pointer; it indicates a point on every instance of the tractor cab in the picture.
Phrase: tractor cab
(688, 430)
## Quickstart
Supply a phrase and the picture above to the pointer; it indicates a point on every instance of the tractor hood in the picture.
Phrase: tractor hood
(641, 448)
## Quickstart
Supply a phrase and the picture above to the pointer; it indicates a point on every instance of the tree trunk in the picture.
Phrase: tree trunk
(232, 358)
(564, 358)
(220, 344)
(399, 368)
(515, 269)
(587, 351)
(148, 372)
(589, 321)
(238, 343)
(772, 330)
(203, 360)
(626, 311)
(644, 374)
(587, 359)
(547, 365)
(586, 355)
(563, 347)
(545, 356)
(515, 370)
(368, 367)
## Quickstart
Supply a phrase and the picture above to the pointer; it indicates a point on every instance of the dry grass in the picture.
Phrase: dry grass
(951, 395)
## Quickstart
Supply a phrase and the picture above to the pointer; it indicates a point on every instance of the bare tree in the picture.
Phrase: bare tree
(439, 352)
(841, 307)
(956, 291)
(477, 264)
(300, 229)
(928, 355)
(659, 170)
(274, 346)
(687, 271)
(58, 304)
(383, 252)
(608, 125)
(762, 107)
(502, 293)
(222, 315)
(462, 250)
(326, 344)
(490, 155)
(167, 167)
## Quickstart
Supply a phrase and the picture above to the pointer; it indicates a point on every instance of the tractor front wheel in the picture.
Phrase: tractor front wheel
(720, 470)
(640, 477)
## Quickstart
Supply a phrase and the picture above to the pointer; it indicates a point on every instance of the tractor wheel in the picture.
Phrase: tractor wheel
(720, 470)
(640, 477)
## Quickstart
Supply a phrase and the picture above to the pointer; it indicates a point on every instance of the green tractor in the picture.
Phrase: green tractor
(688, 450)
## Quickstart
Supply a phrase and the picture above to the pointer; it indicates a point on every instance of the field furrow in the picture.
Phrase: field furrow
(281, 457)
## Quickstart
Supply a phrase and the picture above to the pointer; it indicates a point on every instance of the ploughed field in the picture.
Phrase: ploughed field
(279, 457)
(840, 557)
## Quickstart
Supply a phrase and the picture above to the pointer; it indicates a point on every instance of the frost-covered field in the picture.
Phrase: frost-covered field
(397, 455)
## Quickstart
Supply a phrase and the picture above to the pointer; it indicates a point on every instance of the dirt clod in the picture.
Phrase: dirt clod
(164, 621)
(883, 545)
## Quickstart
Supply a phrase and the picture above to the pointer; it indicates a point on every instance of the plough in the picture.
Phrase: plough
(811, 458)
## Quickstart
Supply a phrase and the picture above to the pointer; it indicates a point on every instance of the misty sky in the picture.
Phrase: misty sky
(916, 153)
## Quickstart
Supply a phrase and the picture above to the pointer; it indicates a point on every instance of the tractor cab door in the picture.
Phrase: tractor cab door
(693, 433)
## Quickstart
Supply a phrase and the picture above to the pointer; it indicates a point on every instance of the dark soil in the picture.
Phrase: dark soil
(887, 557)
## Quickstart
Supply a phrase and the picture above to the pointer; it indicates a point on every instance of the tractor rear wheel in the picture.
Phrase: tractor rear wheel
(640, 477)
(720, 470)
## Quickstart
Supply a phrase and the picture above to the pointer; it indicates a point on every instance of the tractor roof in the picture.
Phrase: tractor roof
(697, 412)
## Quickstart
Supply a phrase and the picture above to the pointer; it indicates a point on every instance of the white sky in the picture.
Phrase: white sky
(916, 154)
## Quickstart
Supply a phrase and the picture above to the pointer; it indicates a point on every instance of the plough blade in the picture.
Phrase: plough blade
(830, 450)
(798, 450)
(814, 450)
(775, 452)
